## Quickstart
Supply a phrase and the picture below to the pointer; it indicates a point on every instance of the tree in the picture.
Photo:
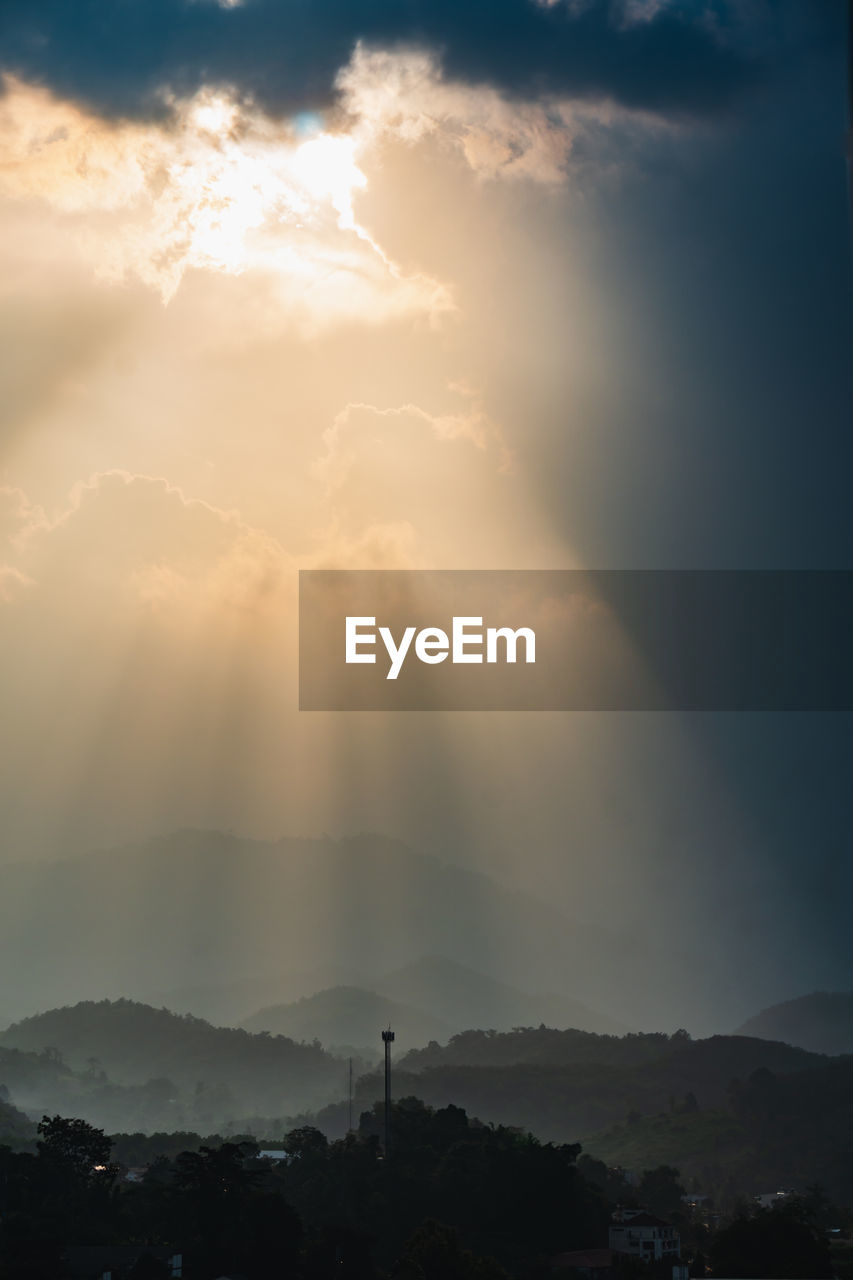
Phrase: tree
(435, 1253)
(660, 1190)
(771, 1243)
(305, 1141)
(233, 1222)
(75, 1146)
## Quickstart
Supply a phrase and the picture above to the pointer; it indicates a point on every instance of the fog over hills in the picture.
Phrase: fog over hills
(175, 1066)
(428, 1000)
(822, 1022)
(221, 926)
(237, 920)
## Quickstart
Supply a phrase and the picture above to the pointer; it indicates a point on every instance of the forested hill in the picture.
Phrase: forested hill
(709, 1059)
(521, 1078)
(791, 1130)
(133, 1043)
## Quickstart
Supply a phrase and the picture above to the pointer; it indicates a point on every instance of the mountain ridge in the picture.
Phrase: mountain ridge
(821, 1021)
(206, 909)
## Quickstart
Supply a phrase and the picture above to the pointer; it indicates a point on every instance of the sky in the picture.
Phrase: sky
(363, 284)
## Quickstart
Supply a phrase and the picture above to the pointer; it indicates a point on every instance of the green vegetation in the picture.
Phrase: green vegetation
(453, 1193)
(453, 1199)
(700, 1143)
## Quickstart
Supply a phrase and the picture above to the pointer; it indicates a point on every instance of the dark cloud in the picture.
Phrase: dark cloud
(119, 55)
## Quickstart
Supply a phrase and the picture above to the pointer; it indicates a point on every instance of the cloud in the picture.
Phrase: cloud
(12, 580)
(404, 95)
(128, 545)
(222, 189)
(128, 60)
(343, 438)
(17, 516)
(404, 487)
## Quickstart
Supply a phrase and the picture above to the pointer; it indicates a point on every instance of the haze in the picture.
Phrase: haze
(389, 301)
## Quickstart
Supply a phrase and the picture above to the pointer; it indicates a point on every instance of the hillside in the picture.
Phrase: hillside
(822, 1022)
(794, 1130)
(587, 1092)
(700, 1144)
(717, 1056)
(541, 1045)
(348, 1016)
(134, 1044)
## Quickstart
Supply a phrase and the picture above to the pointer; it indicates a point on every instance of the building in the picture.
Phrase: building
(642, 1235)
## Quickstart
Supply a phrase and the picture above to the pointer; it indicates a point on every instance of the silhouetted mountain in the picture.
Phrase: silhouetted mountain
(545, 1046)
(822, 1022)
(348, 1016)
(228, 1003)
(134, 1044)
(204, 909)
(465, 998)
(565, 1085)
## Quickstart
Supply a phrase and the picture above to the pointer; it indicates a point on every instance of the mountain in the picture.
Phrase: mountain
(565, 1085)
(348, 1016)
(133, 1044)
(225, 1003)
(465, 998)
(207, 909)
(822, 1022)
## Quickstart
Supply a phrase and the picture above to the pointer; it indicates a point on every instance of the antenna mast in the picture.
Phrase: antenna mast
(387, 1040)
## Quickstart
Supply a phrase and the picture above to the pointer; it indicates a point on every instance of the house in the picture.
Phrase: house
(642, 1235)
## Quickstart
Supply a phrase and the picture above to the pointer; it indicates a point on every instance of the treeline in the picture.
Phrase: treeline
(705, 1060)
(545, 1045)
(571, 1099)
(503, 1200)
(453, 1199)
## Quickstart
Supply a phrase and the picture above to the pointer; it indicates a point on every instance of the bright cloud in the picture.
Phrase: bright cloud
(221, 188)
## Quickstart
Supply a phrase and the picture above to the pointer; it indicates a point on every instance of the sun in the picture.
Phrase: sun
(249, 198)
(326, 167)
